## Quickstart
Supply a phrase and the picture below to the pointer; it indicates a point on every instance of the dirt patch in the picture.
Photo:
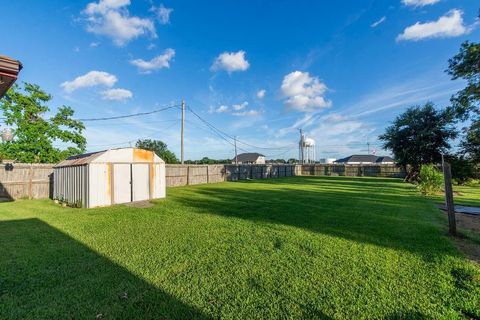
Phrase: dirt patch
(140, 204)
(469, 248)
(467, 224)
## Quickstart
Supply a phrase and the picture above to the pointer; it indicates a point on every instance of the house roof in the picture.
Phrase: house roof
(9, 69)
(119, 155)
(249, 157)
(384, 159)
(365, 158)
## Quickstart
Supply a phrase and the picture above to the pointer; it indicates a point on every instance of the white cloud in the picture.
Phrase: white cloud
(411, 92)
(248, 113)
(111, 18)
(231, 61)
(341, 137)
(419, 3)
(157, 63)
(163, 13)
(90, 79)
(239, 109)
(103, 6)
(240, 106)
(334, 117)
(117, 94)
(261, 94)
(378, 22)
(94, 44)
(449, 25)
(220, 109)
(303, 92)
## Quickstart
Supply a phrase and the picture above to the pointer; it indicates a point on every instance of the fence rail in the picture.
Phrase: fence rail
(26, 180)
(36, 180)
(358, 170)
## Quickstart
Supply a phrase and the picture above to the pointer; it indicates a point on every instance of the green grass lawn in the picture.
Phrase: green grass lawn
(305, 247)
(467, 195)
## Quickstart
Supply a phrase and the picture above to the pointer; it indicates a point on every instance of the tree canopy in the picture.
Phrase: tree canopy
(34, 134)
(419, 136)
(466, 65)
(465, 104)
(160, 149)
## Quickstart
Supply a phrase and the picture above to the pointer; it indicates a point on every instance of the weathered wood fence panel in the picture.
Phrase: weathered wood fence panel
(182, 175)
(258, 171)
(20, 180)
(353, 170)
(36, 180)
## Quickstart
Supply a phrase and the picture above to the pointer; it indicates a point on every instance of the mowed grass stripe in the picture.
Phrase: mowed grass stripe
(304, 247)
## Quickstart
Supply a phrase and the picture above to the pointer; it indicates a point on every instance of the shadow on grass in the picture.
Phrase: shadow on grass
(368, 210)
(45, 274)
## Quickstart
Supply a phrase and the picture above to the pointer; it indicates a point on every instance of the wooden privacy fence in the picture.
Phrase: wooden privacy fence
(19, 180)
(258, 171)
(182, 175)
(353, 170)
(36, 180)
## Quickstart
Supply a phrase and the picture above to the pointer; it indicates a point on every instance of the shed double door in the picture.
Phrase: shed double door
(131, 182)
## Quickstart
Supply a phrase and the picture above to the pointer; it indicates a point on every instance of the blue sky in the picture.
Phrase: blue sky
(341, 70)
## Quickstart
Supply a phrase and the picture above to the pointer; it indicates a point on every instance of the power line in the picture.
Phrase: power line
(128, 115)
(217, 132)
(220, 132)
(131, 124)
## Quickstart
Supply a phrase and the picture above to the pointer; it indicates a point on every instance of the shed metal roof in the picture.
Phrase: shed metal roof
(119, 155)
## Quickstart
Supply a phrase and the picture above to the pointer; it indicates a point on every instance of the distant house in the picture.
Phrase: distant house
(9, 69)
(250, 158)
(366, 159)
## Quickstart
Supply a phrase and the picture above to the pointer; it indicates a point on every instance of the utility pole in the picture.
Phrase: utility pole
(183, 124)
(235, 142)
(368, 147)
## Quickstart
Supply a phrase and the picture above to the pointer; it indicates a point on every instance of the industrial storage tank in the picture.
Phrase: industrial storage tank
(306, 150)
(109, 177)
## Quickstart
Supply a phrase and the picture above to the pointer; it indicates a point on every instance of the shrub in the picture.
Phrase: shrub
(430, 180)
(463, 170)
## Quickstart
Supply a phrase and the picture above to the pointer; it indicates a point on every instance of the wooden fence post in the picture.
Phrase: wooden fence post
(447, 174)
(30, 182)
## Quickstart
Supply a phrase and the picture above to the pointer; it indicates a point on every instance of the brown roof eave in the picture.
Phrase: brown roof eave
(10, 66)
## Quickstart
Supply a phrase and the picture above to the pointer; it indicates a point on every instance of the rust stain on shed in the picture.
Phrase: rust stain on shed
(140, 155)
(108, 189)
(152, 179)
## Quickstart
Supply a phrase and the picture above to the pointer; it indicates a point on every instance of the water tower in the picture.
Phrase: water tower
(306, 148)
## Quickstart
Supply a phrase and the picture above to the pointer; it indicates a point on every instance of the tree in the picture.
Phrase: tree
(471, 142)
(466, 65)
(160, 149)
(24, 110)
(465, 104)
(419, 136)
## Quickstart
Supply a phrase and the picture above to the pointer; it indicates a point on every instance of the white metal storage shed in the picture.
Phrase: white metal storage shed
(109, 177)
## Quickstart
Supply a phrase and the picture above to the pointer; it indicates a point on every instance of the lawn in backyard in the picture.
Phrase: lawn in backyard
(303, 247)
(467, 195)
